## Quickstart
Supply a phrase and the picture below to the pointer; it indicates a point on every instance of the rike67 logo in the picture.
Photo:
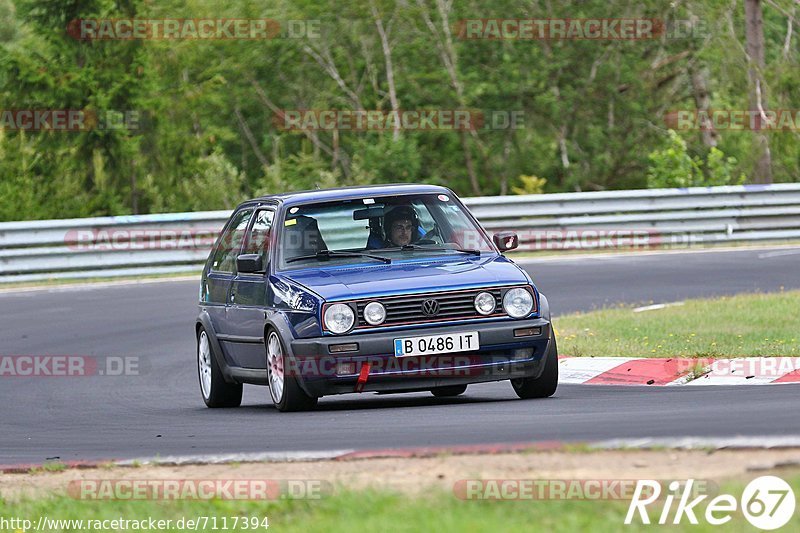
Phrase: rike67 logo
(767, 502)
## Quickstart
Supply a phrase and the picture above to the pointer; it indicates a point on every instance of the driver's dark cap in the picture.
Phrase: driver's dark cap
(401, 212)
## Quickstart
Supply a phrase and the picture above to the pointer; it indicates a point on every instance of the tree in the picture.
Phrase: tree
(754, 35)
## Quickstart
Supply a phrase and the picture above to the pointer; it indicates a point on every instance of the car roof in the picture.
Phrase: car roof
(346, 193)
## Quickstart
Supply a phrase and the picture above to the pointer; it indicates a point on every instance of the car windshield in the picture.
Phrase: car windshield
(377, 229)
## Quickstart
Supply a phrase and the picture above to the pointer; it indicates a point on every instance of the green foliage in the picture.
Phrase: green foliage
(384, 160)
(298, 172)
(211, 182)
(674, 166)
(530, 185)
(590, 112)
(8, 22)
(720, 169)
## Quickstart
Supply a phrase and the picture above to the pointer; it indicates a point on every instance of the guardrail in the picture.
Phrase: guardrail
(180, 242)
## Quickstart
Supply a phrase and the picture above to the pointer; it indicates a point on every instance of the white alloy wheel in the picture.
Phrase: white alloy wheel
(204, 364)
(275, 368)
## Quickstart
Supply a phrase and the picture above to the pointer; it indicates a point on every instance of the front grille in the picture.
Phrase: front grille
(453, 305)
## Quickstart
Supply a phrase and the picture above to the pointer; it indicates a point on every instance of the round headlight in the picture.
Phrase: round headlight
(374, 313)
(339, 318)
(485, 303)
(518, 303)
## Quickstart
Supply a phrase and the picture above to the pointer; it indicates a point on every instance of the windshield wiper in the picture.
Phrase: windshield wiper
(409, 247)
(324, 255)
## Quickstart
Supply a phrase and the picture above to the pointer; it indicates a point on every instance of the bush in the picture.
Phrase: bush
(530, 185)
(673, 166)
(296, 173)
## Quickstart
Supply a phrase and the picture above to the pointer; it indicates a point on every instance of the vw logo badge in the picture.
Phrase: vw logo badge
(430, 308)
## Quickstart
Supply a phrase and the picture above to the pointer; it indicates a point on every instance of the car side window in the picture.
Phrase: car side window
(230, 243)
(258, 238)
(426, 221)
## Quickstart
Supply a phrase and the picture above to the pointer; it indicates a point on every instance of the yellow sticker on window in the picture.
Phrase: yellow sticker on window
(290, 222)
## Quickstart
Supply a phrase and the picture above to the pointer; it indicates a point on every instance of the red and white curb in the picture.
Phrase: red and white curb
(678, 371)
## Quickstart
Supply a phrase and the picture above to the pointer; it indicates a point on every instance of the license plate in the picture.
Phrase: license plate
(434, 344)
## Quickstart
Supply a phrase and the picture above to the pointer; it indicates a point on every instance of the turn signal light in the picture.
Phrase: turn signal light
(527, 332)
(340, 348)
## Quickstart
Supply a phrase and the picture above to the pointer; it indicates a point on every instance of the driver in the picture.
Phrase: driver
(401, 226)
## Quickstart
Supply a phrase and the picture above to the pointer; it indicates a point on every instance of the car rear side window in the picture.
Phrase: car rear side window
(229, 244)
(258, 239)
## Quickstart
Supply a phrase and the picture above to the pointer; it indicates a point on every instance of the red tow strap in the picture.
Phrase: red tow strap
(362, 377)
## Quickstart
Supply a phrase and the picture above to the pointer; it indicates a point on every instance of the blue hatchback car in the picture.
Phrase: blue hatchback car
(389, 289)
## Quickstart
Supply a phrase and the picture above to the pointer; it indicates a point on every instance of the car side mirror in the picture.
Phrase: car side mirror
(505, 240)
(249, 264)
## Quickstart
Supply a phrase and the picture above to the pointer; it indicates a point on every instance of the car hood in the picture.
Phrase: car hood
(405, 277)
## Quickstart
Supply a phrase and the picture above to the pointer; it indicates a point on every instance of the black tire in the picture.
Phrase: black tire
(545, 385)
(292, 396)
(450, 390)
(221, 393)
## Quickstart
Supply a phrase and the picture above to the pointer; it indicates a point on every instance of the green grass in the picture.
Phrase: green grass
(383, 511)
(739, 326)
(50, 466)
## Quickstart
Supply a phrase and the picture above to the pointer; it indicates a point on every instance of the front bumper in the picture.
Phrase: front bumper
(501, 356)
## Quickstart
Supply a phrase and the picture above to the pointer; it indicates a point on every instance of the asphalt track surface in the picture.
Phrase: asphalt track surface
(160, 412)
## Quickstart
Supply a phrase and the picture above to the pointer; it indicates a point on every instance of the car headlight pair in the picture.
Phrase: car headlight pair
(339, 318)
(517, 303)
